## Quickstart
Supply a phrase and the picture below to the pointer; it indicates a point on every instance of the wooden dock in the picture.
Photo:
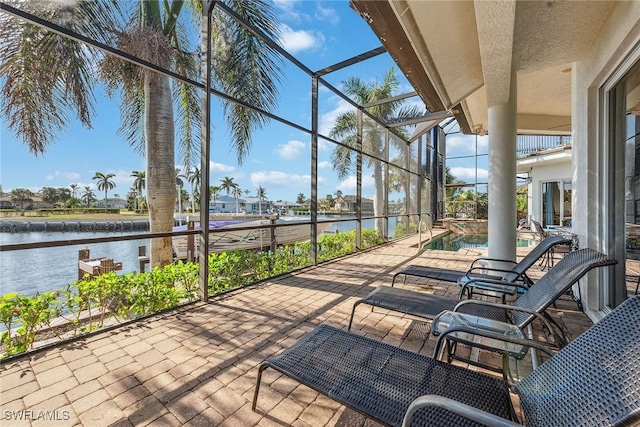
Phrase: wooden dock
(95, 266)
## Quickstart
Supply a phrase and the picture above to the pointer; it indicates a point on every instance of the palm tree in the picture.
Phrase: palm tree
(88, 196)
(74, 189)
(47, 77)
(193, 176)
(261, 195)
(139, 183)
(228, 185)
(104, 184)
(213, 193)
(345, 127)
(237, 192)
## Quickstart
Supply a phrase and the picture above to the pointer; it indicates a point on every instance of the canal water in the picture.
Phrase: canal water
(39, 270)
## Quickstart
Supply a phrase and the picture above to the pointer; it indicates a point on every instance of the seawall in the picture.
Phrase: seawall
(74, 226)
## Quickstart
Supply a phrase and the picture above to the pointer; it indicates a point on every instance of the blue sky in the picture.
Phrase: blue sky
(317, 33)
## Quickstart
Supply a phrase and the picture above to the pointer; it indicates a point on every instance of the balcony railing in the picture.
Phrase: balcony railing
(527, 144)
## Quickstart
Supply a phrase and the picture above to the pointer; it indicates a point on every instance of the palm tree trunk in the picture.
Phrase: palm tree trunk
(193, 200)
(160, 175)
(378, 200)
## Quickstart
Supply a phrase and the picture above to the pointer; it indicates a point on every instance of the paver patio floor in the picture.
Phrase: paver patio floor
(197, 365)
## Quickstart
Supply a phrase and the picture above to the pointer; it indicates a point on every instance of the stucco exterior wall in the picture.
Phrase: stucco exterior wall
(617, 39)
(540, 174)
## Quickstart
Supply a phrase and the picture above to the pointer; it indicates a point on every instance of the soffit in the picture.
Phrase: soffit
(458, 62)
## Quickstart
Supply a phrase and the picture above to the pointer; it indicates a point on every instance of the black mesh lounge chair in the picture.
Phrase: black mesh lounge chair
(517, 273)
(529, 306)
(595, 380)
(562, 249)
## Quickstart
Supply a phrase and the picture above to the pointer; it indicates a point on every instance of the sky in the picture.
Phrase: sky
(318, 34)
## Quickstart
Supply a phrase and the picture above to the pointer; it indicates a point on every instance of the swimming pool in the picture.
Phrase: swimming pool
(455, 242)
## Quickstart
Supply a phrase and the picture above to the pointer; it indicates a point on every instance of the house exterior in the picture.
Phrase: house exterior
(504, 68)
(224, 204)
(113, 203)
(549, 185)
(349, 203)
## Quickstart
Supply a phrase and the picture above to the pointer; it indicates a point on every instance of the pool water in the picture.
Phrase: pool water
(455, 242)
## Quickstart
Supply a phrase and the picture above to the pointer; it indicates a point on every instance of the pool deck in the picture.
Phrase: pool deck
(197, 365)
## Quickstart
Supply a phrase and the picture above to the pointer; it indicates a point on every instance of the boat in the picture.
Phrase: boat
(230, 234)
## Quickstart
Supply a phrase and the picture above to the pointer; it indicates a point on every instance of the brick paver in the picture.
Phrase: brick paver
(197, 365)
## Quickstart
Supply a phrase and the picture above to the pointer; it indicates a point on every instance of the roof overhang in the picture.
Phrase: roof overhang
(554, 156)
(460, 55)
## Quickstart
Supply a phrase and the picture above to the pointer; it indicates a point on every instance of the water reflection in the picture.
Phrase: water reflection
(38, 270)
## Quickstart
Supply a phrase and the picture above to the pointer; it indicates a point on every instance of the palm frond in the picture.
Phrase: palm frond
(247, 69)
(187, 100)
(132, 120)
(47, 78)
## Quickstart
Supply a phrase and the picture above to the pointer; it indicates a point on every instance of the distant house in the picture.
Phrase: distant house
(5, 201)
(282, 206)
(35, 203)
(112, 203)
(348, 203)
(549, 185)
(226, 204)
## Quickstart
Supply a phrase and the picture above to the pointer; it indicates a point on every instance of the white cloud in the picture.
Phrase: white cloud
(220, 168)
(294, 41)
(63, 175)
(291, 149)
(323, 145)
(286, 4)
(82, 185)
(465, 145)
(282, 179)
(122, 179)
(348, 185)
(327, 120)
(469, 174)
(324, 165)
(326, 14)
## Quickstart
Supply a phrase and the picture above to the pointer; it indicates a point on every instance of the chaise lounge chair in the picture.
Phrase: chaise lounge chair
(595, 380)
(517, 274)
(549, 258)
(529, 305)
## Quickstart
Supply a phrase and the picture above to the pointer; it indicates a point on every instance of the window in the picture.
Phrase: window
(556, 203)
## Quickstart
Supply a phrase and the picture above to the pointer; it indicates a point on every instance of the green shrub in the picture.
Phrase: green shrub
(87, 303)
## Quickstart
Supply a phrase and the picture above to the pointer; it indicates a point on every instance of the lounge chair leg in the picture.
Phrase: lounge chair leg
(255, 394)
(393, 281)
(353, 312)
(451, 350)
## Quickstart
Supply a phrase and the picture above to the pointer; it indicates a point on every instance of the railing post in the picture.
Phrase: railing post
(190, 242)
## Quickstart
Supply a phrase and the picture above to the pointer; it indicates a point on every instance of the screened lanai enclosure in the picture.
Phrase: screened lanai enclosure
(190, 86)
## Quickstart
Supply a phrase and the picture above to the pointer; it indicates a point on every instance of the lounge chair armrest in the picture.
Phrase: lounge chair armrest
(456, 407)
(492, 304)
(476, 283)
(491, 259)
(508, 307)
(488, 270)
(488, 334)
